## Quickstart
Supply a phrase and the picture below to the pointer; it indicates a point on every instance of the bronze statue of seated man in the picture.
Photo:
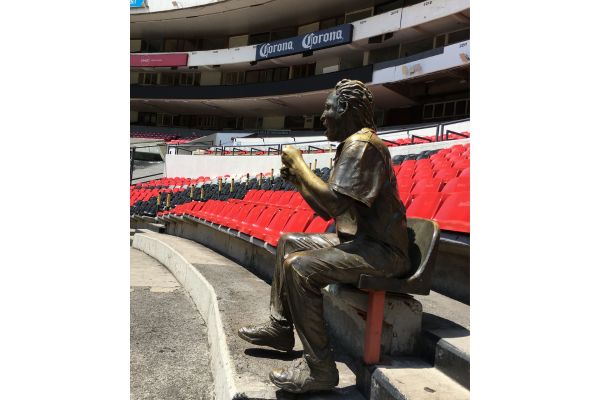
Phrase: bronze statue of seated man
(371, 238)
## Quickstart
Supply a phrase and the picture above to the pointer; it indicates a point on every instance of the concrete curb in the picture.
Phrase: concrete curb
(205, 298)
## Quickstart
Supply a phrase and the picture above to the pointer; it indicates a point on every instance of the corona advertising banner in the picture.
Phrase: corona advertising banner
(322, 39)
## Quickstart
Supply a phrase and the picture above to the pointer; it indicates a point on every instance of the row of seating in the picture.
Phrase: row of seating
(167, 137)
(433, 185)
(265, 216)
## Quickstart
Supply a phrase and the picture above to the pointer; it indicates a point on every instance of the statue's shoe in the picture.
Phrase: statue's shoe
(270, 334)
(300, 378)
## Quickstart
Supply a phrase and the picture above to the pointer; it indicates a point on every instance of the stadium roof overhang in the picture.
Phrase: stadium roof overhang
(293, 104)
(233, 17)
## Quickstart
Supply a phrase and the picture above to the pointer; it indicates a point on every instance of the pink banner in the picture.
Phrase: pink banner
(158, 60)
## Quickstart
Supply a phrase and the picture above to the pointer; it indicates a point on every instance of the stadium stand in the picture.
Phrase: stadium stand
(433, 185)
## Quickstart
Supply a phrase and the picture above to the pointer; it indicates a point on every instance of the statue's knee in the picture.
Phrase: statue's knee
(288, 262)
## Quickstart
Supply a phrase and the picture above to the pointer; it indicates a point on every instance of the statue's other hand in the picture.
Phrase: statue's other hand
(290, 155)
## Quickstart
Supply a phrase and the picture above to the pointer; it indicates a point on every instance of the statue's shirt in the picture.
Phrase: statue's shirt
(363, 171)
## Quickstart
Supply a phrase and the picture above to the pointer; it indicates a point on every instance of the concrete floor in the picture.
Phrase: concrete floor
(168, 338)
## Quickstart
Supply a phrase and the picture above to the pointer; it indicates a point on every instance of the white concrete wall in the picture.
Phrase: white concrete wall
(377, 25)
(454, 55)
(430, 10)
(194, 166)
(166, 5)
(222, 56)
(190, 166)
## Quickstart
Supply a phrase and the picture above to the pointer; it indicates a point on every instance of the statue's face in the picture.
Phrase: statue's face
(333, 118)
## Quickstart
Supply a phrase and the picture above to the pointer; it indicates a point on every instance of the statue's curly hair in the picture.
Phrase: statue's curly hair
(359, 100)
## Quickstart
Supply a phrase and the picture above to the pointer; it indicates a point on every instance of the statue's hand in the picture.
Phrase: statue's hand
(291, 156)
(287, 175)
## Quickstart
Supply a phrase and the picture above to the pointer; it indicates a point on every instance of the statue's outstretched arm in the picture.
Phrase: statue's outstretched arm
(318, 194)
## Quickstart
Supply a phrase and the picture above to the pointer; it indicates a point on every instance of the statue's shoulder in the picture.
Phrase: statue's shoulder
(367, 135)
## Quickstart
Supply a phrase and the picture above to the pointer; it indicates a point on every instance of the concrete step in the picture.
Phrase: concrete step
(452, 272)
(446, 336)
(229, 296)
(414, 379)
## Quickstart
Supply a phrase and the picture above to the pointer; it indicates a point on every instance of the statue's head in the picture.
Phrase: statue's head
(348, 108)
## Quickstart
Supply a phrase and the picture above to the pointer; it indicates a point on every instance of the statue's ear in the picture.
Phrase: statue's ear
(342, 106)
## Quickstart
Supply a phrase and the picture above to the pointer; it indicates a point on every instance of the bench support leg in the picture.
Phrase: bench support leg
(372, 344)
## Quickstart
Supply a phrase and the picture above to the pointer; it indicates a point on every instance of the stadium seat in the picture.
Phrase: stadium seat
(280, 219)
(430, 185)
(295, 200)
(246, 223)
(465, 172)
(239, 214)
(461, 164)
(318, 225)
(227, 210)
(446, 174)
(404, 185)
(424, 205)
(274, 199)
(454, 214)
(297, 222)
(261, 222)
(422, 256)
(265, 197)
(405, 173)
(284, 199)
(423, 174)
(405, 197)
(458, 184)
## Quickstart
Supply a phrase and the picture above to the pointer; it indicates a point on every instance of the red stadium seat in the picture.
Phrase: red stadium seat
(424, 205)
(252, 194)
(304, 205)
(405, 173)
(296, 223)
(276, 225)
(275, 196)
(318, 225)
(228, 209)
(285, 198)
(243, 209)
(454, 214)
(265, 197)
(246, 223)
(458, 184)
(423, 174)
(431, 185)
(404, 185)
(405, 197)
(461, 163)
(465, 172)
(295, 200)
(262, 221)
(446, 174)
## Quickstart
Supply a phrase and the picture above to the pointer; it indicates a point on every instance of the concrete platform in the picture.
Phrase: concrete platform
(228, 296)
(168, 338)
(445, 342)
(412, 379)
